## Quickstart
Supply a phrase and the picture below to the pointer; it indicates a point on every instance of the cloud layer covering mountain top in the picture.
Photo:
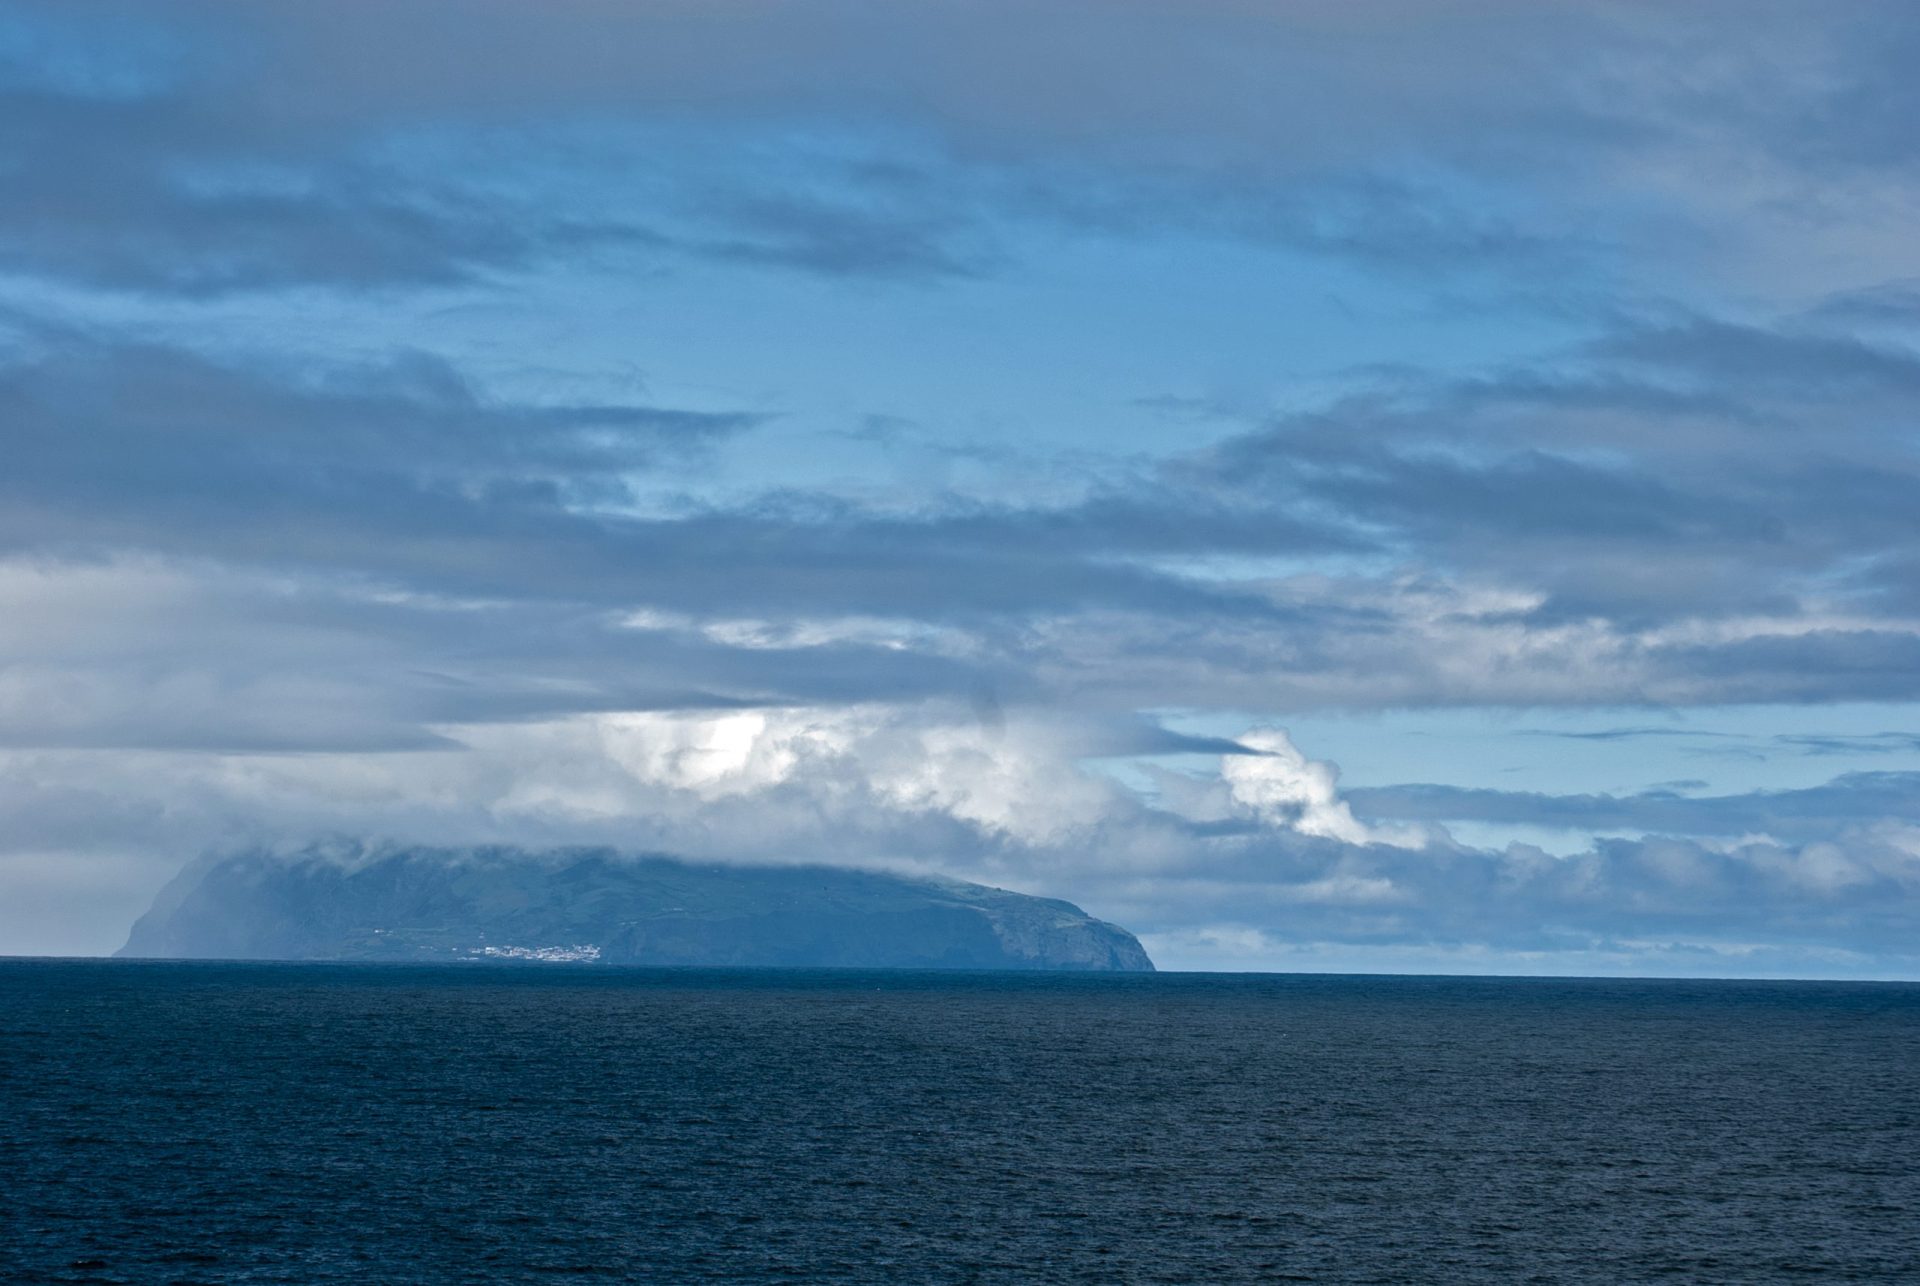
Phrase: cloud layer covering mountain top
(961, 438)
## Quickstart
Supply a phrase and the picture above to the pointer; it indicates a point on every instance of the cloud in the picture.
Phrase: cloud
(932, 789)
(158, 191)
(1625, 734)
(1285, 788)
(198, 149)
(1872, 743)
(509, 558)
(250, 587)
(1806, 814)
(505, 556)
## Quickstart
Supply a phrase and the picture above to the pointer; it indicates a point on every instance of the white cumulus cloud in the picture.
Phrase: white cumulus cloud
(1285, 788)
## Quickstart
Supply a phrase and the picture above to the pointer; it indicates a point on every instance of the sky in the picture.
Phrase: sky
(1387, 486)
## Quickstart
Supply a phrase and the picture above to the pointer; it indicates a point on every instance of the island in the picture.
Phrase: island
(602, 907)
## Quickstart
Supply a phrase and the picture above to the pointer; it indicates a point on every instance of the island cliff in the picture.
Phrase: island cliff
(424, 904)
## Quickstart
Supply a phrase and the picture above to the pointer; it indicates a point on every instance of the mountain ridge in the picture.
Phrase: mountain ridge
(601, 905)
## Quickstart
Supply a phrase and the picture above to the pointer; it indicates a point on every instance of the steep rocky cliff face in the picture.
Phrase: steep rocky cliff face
(595, 905)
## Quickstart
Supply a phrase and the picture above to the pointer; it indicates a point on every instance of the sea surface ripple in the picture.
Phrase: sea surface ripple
(317, 1123)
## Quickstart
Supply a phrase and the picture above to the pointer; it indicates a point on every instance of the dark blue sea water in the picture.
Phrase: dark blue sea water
(318, 1123)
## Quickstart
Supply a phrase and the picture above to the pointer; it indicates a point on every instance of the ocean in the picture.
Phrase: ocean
(173, 1122)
